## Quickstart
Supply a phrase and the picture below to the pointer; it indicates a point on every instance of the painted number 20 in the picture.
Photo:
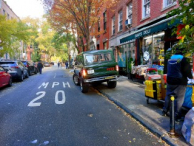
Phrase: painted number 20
(41, 94)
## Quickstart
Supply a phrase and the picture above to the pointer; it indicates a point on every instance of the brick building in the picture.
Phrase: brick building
(137, 31)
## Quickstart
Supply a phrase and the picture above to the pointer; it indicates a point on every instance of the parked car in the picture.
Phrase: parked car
(46, 64)
(5, 77)
(95, 66)
(15, 68)
(32, 69)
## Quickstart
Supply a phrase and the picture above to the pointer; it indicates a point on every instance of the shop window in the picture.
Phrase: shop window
(120, 21)
(167, 3)
(113, 25)
(146, 8)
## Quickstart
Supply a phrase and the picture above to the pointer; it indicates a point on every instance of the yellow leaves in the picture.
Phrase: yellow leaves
(187, 27)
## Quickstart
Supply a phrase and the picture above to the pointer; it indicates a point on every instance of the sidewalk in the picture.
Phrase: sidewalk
(130, 96)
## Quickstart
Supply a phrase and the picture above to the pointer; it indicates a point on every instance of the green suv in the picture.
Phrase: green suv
(95, 66)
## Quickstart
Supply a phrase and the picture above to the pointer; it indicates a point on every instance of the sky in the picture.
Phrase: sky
(24, 8)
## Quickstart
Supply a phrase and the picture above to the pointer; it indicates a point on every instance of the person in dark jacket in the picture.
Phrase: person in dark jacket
(178, 69)
(40, 66)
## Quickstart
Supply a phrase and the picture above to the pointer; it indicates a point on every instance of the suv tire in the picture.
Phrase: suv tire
(84, 87)
(75, 79)
(112, 84)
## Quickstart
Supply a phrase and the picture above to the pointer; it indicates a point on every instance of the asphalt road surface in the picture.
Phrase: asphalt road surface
(48, 109)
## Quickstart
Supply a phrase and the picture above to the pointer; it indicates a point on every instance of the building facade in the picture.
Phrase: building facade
(138, 32)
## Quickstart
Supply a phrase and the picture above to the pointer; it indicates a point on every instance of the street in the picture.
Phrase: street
(49, 109)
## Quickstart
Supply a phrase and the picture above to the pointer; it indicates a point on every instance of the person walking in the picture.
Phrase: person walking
(58, 64)
(178, 69)
(66, 64)
(40, 66)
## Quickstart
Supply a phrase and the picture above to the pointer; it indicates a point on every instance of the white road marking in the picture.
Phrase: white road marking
(57, 97)
(64, 84)
(54, 84)
(44, 85)
(32, 103)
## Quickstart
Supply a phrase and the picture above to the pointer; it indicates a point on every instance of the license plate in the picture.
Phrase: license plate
(90, 71)
(111, 77)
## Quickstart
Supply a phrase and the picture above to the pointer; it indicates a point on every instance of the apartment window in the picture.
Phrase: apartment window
(129, 12)
(146, 8)
(113, 25)
(104, 19)
(120, 21)
(99, 25)
(3, 12)
(167, 3)
(7, 16)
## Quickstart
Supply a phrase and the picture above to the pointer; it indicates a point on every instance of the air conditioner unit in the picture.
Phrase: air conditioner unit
(128, 22)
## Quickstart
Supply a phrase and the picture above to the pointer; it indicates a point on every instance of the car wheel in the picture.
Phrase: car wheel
(27, 75)
(21, 77)
(10, 82)
(75, 79)
(84, 87)
(36, 71)
(112, 84)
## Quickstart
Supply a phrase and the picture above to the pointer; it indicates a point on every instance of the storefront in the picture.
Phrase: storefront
(151, 44)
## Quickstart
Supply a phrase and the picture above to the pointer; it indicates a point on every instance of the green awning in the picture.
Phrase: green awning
(160, 26)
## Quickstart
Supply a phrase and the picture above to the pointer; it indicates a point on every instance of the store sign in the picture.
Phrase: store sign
(143, 33)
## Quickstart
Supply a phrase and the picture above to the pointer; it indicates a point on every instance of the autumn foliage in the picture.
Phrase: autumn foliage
(76, 16)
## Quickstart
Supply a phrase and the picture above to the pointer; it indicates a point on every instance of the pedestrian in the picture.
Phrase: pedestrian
(66, 64)
(58, 64)
(73, 64)
(40, 66)
(178, 69)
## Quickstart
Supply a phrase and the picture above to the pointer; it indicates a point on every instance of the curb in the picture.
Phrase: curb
(139, 119)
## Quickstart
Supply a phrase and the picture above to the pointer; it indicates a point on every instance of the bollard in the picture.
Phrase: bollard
(172, 116)
(172, 132)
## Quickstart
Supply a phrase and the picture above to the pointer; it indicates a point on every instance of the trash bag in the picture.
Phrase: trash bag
(188, 127)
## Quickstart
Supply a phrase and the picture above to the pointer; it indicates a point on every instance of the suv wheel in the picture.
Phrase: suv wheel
(112, 84)
(75, 80)
(84, 87)
(21, 77)
(10, 82)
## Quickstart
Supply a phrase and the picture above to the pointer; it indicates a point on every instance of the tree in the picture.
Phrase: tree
(185, 12)
(44, 40)
(12, 33)
(79, 15)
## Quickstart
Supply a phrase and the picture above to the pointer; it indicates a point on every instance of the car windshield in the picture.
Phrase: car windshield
(97, 58)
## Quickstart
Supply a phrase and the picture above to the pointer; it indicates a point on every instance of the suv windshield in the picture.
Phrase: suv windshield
(97, 58)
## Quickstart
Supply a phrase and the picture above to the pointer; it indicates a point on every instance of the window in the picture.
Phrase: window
(3, 12)
(99, 25)
(104, 19)
(120, 21)
(113, 25)
(167, 3)
(129, 12)
(7, 16)
(146, 8)
(97, 58)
